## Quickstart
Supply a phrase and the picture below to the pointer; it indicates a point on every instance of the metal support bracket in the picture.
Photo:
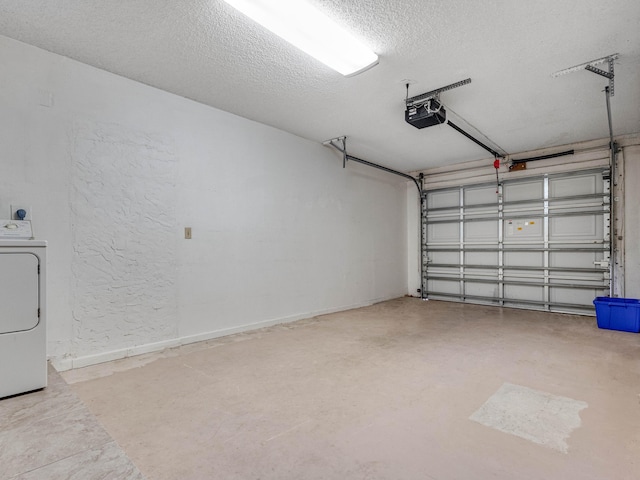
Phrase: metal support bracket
(602, 73)
(591, 67)
(423, 97)
(342, 148)
(609, 75)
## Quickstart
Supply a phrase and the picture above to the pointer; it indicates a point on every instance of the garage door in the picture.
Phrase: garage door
(540, 242)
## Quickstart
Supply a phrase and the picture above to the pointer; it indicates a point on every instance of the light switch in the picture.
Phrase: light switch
(187, 233)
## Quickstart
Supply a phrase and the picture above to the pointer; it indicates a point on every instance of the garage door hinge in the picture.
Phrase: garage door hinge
(38, 313)
(38, 269)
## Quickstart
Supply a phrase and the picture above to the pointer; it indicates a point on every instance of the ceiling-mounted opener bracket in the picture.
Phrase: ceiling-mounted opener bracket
(426, 110)
(423, 98)
(591, 67)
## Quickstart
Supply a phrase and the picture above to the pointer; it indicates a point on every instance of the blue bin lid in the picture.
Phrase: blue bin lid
(616, 301)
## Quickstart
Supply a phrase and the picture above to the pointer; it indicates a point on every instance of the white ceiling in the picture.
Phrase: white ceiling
(206, 51)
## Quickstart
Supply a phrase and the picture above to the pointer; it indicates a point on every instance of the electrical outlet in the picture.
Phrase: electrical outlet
(16, 207)
(187, 233)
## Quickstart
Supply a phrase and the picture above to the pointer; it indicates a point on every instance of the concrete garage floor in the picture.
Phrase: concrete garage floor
(403, 389)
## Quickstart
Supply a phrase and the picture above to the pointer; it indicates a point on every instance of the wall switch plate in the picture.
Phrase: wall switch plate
(187, 233)
(16, 207)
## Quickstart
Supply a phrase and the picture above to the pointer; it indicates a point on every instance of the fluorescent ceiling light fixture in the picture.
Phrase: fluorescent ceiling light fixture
(307, 28)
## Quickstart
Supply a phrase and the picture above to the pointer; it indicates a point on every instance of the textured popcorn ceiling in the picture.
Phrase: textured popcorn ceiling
(206, 51)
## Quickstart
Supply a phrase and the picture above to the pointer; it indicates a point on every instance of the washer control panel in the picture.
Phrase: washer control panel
(16, 229)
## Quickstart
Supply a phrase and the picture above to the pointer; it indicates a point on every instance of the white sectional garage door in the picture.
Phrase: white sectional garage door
(540, 242)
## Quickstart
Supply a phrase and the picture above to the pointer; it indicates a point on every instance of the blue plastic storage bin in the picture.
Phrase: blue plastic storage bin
(618, 313)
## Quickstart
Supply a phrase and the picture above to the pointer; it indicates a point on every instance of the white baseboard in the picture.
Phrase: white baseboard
(66, 362)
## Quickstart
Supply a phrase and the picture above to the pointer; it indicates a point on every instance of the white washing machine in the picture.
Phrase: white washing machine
(23, 329)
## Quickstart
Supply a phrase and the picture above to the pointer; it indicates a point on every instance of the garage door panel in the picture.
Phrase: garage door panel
(482, 289)
(575, 185)
(444, 286)
(444, 232)
(481, 231)
(521, 213)
(481, 258)
(443, 199)
(529, 229)
(491, 274)
(522, 275)
(575, 259)
(453, 279)
(449, 215)
(583, 227)
(524, 259)
(519, 191)
(480, 195)
(444, 257)
(577, 205)
(578, 278)
(480, 214)
(524, 292)
(574, 278)
(572, 296)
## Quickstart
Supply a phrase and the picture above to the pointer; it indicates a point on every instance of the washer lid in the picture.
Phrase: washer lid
(22, 243)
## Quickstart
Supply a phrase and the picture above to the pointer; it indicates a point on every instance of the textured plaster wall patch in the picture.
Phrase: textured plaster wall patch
(540, 417)
(124, 244)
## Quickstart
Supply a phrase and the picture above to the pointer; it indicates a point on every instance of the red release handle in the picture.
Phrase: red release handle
(496, 164)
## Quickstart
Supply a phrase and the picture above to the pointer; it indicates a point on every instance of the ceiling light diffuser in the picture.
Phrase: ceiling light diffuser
(311, 31)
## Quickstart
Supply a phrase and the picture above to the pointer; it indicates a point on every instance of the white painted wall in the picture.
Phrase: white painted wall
(114, 171)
